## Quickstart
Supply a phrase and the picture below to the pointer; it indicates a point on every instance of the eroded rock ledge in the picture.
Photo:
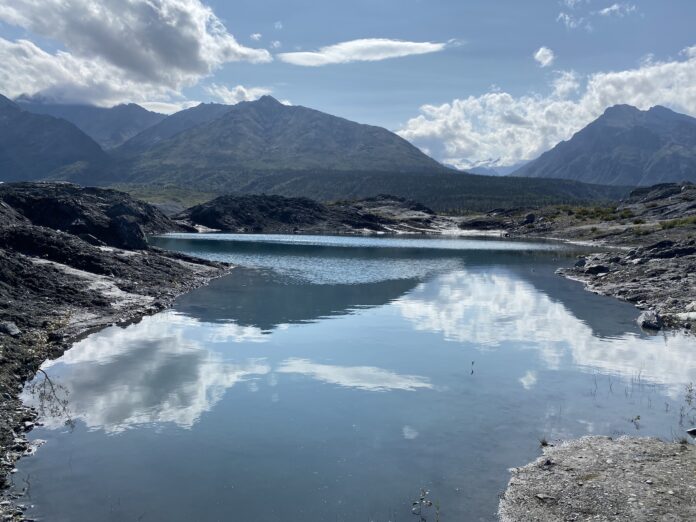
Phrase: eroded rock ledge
(605, 479)
(658, 278)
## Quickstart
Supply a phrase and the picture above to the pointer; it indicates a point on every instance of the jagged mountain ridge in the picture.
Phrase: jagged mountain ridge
(109, 127)
(624, 146)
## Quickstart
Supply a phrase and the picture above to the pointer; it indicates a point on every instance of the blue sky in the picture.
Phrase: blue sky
(466, 86)
(499, 39)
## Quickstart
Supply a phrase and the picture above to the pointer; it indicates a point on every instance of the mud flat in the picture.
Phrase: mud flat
(604, 479)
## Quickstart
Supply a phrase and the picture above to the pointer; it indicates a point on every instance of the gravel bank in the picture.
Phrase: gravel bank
(604, 479)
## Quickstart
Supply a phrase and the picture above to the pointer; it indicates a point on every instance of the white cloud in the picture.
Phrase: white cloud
(572, 21)
(275, 44)
(236, 94)
(497, 124)
(572, 3)
(169, 107)
(278, 25)
(544, 56)
(121, 49)
(619, 10)
(364, 50)
(256, 36)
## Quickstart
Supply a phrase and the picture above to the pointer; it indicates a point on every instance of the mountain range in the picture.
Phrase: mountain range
(624, 146)
(265, 136)
(171, 126)
(38, 146)
(265, 146)
(109, 127)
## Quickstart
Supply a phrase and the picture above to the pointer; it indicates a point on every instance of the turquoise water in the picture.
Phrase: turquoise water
(332, 378)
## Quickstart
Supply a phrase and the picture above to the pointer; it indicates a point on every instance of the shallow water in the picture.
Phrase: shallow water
(333, 378)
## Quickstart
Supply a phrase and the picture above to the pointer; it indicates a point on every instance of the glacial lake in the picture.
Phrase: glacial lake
(332, 378)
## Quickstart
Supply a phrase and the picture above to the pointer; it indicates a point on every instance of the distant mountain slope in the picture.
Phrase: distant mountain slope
(448, 191)
(267, 136)
(109, 127)
(171, 126)
(624, 146)
(36, 146)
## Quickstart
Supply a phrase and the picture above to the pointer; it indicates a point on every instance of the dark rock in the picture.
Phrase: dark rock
(650, 320)
(278, 214)
(94, 214)
(128, 233)
(596, 269)
(482, 223)
(9, 328)
(529, 219)
(89, 238)
(581, 262)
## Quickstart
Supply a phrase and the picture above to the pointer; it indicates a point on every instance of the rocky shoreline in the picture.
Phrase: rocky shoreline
(659, 279)
(72, 261)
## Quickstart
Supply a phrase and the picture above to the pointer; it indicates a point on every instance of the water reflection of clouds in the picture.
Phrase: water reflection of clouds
(492, 309)
(361, 377)
(158, 372)
(151, 372)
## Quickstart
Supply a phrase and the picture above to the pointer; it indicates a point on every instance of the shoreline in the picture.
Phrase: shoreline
(47, 343)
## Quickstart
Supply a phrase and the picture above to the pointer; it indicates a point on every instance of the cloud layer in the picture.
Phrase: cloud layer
(363, 50)
(118, 49)
(502, 129)
(236, 94)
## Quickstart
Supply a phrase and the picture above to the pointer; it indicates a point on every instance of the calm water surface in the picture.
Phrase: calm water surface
(332, 378)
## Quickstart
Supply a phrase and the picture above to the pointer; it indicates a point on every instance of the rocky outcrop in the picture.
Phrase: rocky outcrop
(100, 216)
(278, 214)
(658, 278)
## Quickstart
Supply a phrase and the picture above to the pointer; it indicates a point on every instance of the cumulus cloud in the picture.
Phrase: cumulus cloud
(544, 56)
(256, 36)
(275, 44)
(511, 128)
(363, 50)
(619, 10)
(578, 17)
(236, 94)
(145, 48)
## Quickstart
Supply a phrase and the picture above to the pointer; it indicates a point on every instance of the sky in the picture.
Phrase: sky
(470, 82)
